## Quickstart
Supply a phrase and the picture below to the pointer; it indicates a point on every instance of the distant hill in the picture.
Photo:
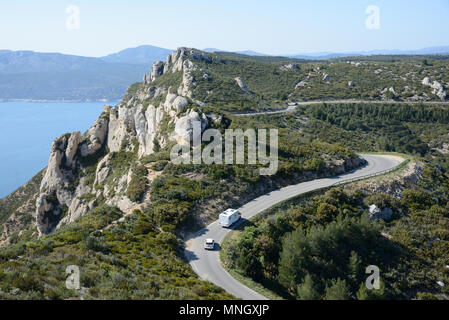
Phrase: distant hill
(28, 75)
(12, 62)
(139, 55)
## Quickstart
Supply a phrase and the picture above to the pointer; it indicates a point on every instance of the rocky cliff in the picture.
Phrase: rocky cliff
(80, 164)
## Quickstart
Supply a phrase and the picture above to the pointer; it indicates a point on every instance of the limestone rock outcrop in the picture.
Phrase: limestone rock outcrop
(438, 88)
(179, 61)
(95, 137)
(58, 187)
(151, 116)
(184, 127)
(156, 71)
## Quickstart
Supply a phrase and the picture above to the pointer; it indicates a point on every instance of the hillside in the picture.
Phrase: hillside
(111, 202)
(317, 246)
(243, 83)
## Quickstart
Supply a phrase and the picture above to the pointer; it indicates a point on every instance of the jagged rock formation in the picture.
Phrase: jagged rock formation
(152, 115)
(179, 61)
(59, 192)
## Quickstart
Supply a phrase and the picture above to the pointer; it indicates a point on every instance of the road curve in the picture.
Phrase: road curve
(206, 263)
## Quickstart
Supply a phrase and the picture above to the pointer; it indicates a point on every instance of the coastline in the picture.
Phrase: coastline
(59, 101)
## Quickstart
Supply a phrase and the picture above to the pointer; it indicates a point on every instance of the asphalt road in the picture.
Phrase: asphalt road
(294, 105)
(206, 263)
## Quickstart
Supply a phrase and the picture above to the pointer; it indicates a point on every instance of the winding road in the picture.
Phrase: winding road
(207, 264)
(294, 105)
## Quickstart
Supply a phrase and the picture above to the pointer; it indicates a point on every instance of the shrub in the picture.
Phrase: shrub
(138, 184)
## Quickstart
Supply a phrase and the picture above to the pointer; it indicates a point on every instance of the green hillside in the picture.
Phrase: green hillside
(313, 247)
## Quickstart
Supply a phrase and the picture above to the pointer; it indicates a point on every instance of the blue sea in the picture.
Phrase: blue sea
(27, 131)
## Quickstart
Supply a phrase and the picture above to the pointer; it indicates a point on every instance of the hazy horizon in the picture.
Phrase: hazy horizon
(243, 50)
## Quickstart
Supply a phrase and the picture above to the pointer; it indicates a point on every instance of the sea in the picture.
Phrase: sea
(27, 131)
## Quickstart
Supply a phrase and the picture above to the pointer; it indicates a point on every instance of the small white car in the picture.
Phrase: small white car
(209, 244)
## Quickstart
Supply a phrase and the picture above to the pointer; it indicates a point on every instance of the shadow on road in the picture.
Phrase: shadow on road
(240, 224)
(217, 247)
(190, 255)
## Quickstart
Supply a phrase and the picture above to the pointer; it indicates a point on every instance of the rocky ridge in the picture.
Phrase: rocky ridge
(154, 115)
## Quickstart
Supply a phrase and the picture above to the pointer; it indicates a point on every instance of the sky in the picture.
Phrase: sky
(100, 27)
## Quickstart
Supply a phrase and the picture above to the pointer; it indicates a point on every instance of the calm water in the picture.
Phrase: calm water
(27, 131)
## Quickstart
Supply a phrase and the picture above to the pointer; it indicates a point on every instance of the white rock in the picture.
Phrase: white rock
(184, 132)
(95, 136)
(179, 103)
(426, 82)
(376, 213)
(291, 66)
(72, 147)
(242, 85)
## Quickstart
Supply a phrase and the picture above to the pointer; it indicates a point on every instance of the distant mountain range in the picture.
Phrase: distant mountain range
(29, 75)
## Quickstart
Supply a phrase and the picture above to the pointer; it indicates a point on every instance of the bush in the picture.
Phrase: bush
(138, 184)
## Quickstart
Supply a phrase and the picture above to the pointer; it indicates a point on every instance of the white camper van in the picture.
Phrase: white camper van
(229, 217)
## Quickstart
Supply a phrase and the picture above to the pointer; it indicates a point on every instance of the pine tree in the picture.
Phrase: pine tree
(355, 268)
(337, 291)
(307, 290)
(363, 293)
(293, 259)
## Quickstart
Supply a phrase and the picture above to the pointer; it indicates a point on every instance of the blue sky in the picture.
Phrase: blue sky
(274, 27)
